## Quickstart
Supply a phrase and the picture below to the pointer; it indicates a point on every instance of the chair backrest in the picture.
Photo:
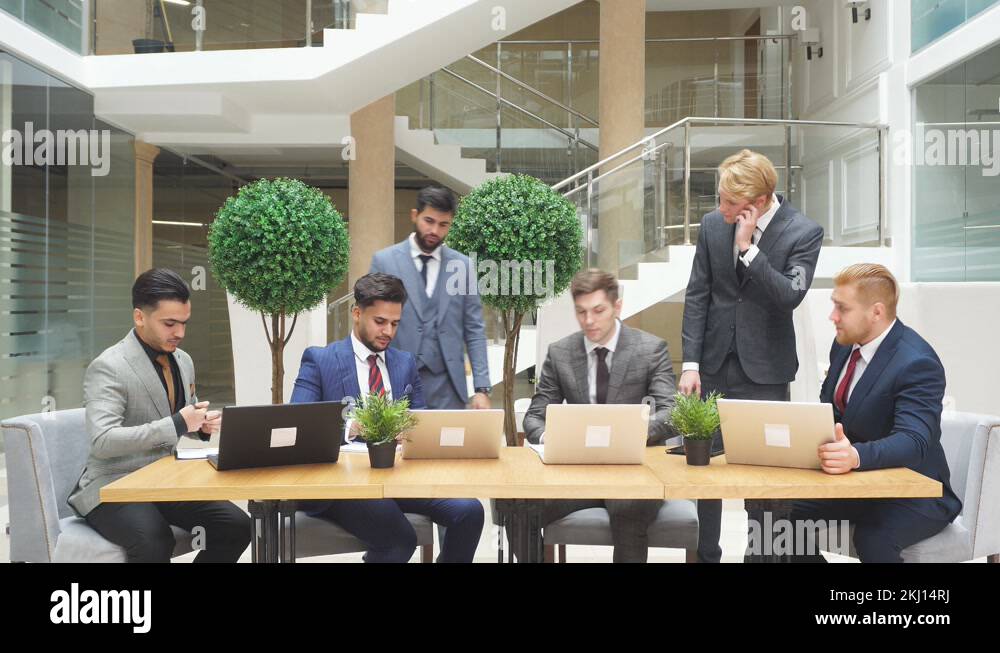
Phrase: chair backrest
(46, 454)
(972, 446)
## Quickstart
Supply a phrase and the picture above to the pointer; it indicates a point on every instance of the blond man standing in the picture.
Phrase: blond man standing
(753, 265)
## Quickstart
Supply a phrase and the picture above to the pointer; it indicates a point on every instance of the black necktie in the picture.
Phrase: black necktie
(602, 375)
(424, 258)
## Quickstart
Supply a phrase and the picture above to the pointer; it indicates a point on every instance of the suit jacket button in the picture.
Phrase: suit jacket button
(732, 327)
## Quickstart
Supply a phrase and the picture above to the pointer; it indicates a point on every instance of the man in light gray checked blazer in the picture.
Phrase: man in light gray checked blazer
(606, 363)
(140, 398)
(753, 265)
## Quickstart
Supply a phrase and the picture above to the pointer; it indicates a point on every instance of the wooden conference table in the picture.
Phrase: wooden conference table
(514, 479)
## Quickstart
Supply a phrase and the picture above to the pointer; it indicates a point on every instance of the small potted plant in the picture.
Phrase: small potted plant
(381, 421)
(697, 420)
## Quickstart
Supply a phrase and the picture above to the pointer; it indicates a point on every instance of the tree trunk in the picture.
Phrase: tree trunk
(277, 358)
(512, 331)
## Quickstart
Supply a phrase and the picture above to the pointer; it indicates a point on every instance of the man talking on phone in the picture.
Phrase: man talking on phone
(139, 396)
(753, 265)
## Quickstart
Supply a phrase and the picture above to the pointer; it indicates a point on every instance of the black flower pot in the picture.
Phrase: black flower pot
(382, 456)
(698, 452)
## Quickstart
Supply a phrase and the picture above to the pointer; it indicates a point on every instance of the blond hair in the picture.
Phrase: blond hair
(747, 175)
(592, 280)
(874, 283)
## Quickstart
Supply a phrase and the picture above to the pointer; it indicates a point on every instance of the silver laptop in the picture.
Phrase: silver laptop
(455, 434)
(775, 433)
(595, 434)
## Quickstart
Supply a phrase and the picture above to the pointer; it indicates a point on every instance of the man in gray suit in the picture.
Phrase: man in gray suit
(437, 326)
(140, 399)
(753, 265)
(606, 363)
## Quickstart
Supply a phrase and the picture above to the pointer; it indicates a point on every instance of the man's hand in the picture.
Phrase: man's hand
(839, 456)
(690, 383)
(212, 423)
(194, 415)
(480, 401)
(746, 224)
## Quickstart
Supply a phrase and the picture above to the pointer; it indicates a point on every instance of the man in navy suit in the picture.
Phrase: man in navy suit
(886, 385)
(365, 360)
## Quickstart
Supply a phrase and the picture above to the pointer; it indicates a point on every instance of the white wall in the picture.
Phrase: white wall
(958, 320)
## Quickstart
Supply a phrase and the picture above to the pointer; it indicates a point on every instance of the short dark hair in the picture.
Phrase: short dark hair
(592, 280)
(436, 197)
(378, 287)
(156, 285)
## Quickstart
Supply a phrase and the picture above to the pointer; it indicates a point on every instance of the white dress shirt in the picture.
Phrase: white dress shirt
(361, 354)
(867, 354)
(433, 264)
(747, 259)
(592, 359)
(592, 364)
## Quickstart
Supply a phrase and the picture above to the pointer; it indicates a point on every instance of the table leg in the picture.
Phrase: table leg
(525, 518)
(286, 531)
(264, 540)
(768, 514)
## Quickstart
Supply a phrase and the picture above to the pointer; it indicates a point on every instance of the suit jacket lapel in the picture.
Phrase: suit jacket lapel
(137, 359)
(441, 294)
(412, 280)
(346, 369)
(620, 361)
(873, 371)
(396, 380)
(726, 244)
(778, 224)
(578, 363)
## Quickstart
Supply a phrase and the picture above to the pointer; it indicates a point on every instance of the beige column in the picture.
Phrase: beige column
(622, 118)
(371, 184)
(145, 155)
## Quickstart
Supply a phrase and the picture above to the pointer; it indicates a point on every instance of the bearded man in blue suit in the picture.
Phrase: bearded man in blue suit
(364, 360)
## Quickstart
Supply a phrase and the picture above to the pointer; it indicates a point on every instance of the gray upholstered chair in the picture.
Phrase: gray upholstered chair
(46, 454)
(676, 527)
(972, 446)
(319, 537)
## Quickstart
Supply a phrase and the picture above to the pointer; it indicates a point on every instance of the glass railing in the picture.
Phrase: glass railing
(64, 21)
(655, 193)
(494, 116)
(144, 26)
(932, 19)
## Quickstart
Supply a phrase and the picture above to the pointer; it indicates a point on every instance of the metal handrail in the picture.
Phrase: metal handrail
(532, 90)
(762, 37)
(512, 105)
(693, 121)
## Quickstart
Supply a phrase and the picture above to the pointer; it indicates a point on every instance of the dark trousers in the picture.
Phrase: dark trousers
(882, 527)
(630, 519)
(382, 525)
(733, 383)
(143, 529)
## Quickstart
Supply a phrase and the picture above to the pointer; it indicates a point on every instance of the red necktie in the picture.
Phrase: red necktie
(375, 383)
(840, 398)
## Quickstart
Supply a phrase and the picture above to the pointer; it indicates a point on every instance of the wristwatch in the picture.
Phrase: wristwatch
(485, 391)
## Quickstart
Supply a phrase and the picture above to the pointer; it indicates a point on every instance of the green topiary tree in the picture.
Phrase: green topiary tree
(279, 247)
(501, 225)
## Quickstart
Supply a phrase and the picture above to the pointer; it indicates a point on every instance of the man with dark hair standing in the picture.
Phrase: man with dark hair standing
(437, 327)
(140, 399)
(364, 363)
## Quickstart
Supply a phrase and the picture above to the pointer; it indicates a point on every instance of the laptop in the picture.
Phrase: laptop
(775, 433)
(282, 434)
(455, 434)
(595, 434)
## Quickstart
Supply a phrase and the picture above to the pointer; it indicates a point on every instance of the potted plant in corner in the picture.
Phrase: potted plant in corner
(381, 421)
(697, 420)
